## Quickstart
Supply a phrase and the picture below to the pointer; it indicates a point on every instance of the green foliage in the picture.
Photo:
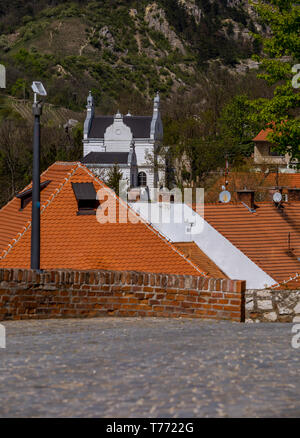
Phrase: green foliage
(237, 129)
(20, 89)
(205, 155)
(117, 70)
(160, 40)
(202, 153)
(282, 51)
(122, 65)
(16, 152)
(36, 63)
(205, 38)
(7, 112)
(114, 178)
(32, 29)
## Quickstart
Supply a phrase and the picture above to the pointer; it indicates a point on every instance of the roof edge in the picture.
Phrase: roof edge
(145, 222)
(19, 235)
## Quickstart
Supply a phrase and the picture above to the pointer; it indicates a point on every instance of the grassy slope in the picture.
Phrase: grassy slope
(122, 50)
(52, 115)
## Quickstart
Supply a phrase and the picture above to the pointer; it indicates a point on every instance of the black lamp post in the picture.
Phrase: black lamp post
(38, 89)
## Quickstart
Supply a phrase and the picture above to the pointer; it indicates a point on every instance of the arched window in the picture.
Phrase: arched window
(142, 179)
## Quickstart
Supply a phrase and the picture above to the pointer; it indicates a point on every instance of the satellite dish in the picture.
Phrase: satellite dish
(224, 196)
(277, 197)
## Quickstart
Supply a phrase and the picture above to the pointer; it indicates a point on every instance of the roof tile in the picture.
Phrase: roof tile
(263, 235)
(69, 241)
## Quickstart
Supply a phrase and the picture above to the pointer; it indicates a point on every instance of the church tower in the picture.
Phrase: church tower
(89, 115)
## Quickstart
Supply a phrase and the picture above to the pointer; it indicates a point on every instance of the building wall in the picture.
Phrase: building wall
(25, 294)
(117, 136)
(103, 172)
(262, 156)
(93, 146)
(272, 305)
(144, 150)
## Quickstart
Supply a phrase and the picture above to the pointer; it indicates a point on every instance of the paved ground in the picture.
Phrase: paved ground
(148, 368)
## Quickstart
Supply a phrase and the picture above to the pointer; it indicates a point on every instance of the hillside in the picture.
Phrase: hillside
(18, 109)
(122, 50)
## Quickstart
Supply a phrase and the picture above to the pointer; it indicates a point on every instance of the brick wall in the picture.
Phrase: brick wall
(26, 294)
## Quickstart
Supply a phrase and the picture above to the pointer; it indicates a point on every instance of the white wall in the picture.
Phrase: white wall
(118, 136)
(92, 146)
(103, 172)
(234, 263)
(142, 149)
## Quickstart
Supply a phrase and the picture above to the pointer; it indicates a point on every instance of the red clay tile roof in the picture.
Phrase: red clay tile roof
(258, 181)
(13, 221)
(291, 283)
(192, 251)
(262, 136)
(262, 236)
(293, 179)
(70, 241)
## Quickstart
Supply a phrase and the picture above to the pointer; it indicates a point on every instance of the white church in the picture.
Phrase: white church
(131, 142)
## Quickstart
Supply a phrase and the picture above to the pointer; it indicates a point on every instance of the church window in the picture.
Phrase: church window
(142, 179)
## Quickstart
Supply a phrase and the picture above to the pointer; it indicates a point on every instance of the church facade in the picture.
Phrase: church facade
(131, 142)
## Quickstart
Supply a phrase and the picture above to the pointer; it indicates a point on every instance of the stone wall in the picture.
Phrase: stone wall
(25, 294)
(272, 305)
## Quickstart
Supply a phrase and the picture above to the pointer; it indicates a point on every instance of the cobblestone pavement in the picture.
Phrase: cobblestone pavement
(148, 368)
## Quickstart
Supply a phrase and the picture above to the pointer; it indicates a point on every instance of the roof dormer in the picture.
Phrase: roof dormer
(26, 196)
(86, 197)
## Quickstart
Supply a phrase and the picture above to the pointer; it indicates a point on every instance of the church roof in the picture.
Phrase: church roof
(140, 125)
(106, 158)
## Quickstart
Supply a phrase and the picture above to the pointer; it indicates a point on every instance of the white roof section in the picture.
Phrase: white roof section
(179, 223)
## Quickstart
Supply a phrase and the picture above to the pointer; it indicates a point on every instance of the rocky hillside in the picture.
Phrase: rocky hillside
(123, 50)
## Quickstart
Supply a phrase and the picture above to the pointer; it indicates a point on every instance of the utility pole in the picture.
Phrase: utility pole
(226, 171)
(37, 107)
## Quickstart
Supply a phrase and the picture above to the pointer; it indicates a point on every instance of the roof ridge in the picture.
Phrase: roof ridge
(113, 116)
(102, 115)
(53, 195)
(30, 184)
(150, 227)
(105, 152)
(285, 281)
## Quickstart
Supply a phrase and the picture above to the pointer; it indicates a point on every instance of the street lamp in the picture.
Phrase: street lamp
(37, 106)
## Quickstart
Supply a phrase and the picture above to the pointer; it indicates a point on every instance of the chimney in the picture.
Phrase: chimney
(246, 196)
(293, 194)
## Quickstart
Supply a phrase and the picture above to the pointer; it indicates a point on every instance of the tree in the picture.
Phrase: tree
(237, 129)
(281, 52)
(20, 89)
(15, 158)
(114, 177)
(16, 151)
